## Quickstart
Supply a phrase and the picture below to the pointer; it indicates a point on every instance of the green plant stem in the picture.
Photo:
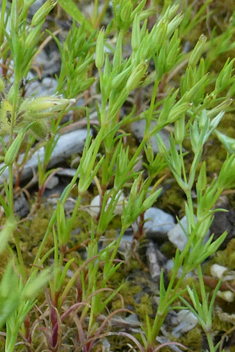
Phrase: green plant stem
(163, 308)
(42, 245)
(10, 190)
(74, 214)
(3, 11)
(207, 315)
(20, 257)
(102, 13)
(151, 110)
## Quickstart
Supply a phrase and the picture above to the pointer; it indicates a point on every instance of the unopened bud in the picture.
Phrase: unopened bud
(202, 180)
(126, 11)
(44, 10)
(136, 76)
(120, 79)
(13, 150)
(159, 34)
(178, 111)
(197, 51)
(135, 39)
(32, 36)
(43, 107)
(99, 58)
(180, 130)
(40, 129)
(173, 25)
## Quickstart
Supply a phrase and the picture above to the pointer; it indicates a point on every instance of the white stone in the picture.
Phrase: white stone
(95, 205)
(170, 265)
(178, 237)
(44, 88)
(217, 270)
(67, 145)
(36, 6)
(159, 221)
(52, 182)
(227, 296)
(138, 128)
(187, 321)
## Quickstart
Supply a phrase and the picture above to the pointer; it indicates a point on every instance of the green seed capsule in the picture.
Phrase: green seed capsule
(40, 129)
(12, 152)
(43, 12)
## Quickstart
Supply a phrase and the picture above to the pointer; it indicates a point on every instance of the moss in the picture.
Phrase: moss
(213, 165)
(144, 307)
(30, 234)
(193, 340)
(172, 200)
(227, 257)
(168, 249)
(191, 282)
(4, 258)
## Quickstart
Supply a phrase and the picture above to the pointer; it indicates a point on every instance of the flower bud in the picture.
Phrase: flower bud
(159, 34)
(13, 150)
(196, 89)
(197, 51)
(180, 130)
(99, 58)
(135, 39)
(119, 81)
(226, 178)
(177, 111)
(227, 74)
(32, 36)
(202, 180)
(173, 25)
(40, 129)
(194, 137)
(43, 107)
(126, 11)
(203, 119)
(136, 76)
(44, 10)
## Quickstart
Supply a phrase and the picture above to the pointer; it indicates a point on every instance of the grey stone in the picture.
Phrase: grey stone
(159, 222)
(138, 128)
(178, 237)
(52, 182)
(186, 322)
(46, 87)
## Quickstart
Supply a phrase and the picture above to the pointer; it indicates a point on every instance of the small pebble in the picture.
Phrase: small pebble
(217, 270)
(227, 296)
(159, 222)
(187, 321)
(95, 205)
(177, 235)
(54, 181)
(138, 128)
(46, 87)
